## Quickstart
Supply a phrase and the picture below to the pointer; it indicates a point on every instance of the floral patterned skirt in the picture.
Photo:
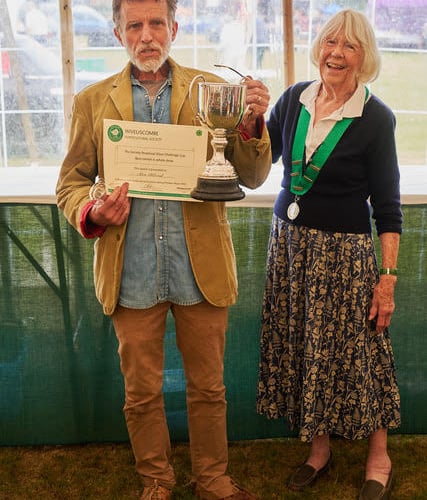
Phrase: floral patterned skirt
(322, 365)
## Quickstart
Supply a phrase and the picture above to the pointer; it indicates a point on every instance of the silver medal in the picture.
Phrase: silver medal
(293, 210)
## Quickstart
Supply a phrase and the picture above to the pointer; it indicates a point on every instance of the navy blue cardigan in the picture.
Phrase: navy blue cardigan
(361, 173)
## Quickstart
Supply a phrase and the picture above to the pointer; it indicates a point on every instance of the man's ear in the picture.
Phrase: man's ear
(174, 30)
(117, 35)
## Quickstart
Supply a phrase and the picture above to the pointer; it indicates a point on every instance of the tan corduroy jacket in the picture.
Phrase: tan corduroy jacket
(206, 226)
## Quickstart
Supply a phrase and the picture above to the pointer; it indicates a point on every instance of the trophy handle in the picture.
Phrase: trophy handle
(190, 94)
(98, 189)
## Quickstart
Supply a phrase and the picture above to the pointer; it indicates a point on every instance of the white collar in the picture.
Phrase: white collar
(350, 109)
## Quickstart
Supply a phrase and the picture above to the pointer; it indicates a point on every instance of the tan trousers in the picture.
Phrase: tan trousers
(200, 334)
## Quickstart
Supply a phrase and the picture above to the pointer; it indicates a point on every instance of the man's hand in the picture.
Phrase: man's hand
(112, 209)
(257, 97)
(257, 101)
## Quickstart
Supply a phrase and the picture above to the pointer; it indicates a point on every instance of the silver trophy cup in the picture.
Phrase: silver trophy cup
(220, 107)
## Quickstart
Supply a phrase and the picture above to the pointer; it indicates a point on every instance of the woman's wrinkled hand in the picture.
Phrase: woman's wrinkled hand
(383, 305)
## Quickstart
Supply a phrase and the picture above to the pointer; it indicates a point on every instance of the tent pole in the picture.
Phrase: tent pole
(68, 65)
(288, 43)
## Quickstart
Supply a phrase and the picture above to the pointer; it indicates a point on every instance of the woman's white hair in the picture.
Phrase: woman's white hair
(357, 29)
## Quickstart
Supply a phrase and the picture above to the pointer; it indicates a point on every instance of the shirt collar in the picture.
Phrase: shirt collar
(135, 80)
(351, 108)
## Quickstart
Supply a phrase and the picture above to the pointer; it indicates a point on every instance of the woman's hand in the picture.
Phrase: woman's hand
(382, 306)
(383, 302)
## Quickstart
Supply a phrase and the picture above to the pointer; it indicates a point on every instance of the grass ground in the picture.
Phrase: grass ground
(106, 471)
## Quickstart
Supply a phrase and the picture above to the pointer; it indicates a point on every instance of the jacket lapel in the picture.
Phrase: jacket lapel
(180, 84)
(121, 94)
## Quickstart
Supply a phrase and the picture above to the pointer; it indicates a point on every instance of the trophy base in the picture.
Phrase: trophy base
(214, 189)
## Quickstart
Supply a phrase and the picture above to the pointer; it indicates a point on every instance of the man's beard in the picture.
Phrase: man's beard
(152, 65)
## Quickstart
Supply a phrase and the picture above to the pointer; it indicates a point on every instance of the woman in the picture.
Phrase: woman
(326, 359)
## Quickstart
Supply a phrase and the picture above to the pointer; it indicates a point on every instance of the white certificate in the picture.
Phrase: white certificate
(157, 160)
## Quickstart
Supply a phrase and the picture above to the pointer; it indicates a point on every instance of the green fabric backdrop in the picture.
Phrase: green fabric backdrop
(59, 370)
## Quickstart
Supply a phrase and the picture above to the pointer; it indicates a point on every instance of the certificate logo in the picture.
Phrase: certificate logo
(115, 133)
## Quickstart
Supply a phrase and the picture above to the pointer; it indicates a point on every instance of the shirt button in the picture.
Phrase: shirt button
(160, 238)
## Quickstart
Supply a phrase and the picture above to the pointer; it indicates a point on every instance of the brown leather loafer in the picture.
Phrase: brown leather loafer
(306, 475)
(374, 490)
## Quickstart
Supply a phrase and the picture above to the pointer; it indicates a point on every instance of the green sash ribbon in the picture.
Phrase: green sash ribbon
(301, 181)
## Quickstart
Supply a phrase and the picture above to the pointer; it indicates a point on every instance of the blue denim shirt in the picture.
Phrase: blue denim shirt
(156, 263)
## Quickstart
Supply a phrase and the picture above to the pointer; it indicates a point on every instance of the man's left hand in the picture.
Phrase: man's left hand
(257, 101)
(257, 97)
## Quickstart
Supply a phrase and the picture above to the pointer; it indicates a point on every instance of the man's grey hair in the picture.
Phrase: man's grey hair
(117, 4)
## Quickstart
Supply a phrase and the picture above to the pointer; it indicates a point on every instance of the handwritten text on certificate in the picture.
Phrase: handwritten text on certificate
(157, 160)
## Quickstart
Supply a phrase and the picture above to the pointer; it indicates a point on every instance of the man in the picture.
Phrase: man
(152, 256)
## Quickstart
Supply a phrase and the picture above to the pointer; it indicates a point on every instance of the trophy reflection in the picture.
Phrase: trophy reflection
(220, 107)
